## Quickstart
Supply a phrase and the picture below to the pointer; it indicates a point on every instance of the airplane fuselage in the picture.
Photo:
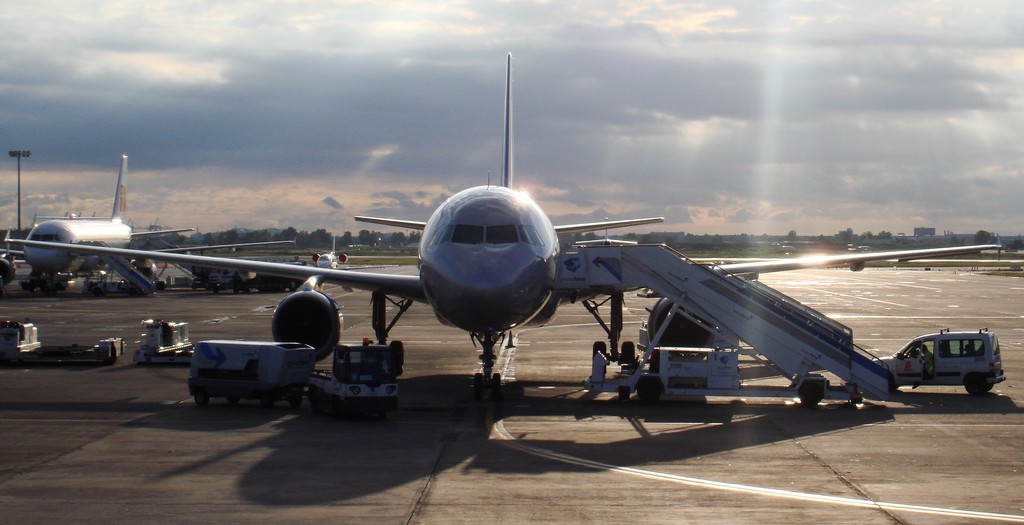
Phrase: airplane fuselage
(107, 232)
(487, 260)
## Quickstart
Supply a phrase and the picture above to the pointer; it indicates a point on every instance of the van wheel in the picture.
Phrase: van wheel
(233, 400)
(266, 400)
(201, 397)
(295, 401)
(976, 384)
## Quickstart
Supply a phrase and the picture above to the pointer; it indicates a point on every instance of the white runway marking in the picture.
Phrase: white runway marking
(498, 431)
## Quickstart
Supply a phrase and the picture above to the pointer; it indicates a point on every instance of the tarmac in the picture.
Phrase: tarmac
(125, 443)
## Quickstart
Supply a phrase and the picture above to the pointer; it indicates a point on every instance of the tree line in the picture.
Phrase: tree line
(320, 239)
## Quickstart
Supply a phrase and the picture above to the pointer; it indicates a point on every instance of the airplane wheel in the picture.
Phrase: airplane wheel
(627, 355)
(478, 386)
(496, 394)
(600, 347)
(624, 393)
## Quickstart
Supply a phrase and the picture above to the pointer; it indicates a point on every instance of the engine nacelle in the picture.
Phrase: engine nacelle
(682, 332)
(6, 271)
(311, 318)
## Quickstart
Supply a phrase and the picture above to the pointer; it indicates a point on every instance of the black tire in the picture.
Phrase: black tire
(233, 400)
(315, 406)
(624, 393)
(267, 400)
(201, 397)
(649, 389)
(627, 355)
(810, 393)
(496, 394)
(893, 387)
(977, 385)
(600, 347)
(295, 400)
(478, 386)
(97, 291)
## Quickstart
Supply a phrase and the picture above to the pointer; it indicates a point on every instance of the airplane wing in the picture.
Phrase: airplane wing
(148, 233)
(604, 225)
(854, 261)
(406, 286)
(400, 223)
(187, 249)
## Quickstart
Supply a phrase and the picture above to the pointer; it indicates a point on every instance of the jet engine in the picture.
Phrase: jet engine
(6, 271)
(308, 317)
(682, 332)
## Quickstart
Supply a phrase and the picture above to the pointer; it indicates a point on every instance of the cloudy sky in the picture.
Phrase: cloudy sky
(724, 117)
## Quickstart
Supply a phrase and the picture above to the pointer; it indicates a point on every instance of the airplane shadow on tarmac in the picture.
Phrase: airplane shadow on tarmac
(311, 459)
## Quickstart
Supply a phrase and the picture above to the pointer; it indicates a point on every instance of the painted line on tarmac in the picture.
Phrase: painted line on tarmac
(498, 431)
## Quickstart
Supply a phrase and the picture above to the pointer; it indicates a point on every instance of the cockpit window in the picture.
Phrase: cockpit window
(529, 234)
(44, 237)
(500, 234)
(504, 234)
(468, 234)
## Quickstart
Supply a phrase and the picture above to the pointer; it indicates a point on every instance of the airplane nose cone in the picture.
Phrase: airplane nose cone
(490, 295)
(48, 260)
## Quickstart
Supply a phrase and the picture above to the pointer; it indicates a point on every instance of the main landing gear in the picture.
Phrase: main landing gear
(378, 307)
(626, 353)
(486, 380)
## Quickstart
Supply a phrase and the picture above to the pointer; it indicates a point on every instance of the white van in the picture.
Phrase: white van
(948, 358)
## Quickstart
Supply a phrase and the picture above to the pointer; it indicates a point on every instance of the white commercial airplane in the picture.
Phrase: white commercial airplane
(487, 265)
(47, 263)
(331, 259)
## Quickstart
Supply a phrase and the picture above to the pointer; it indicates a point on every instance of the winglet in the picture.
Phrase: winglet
(120, 195)
(506, 167)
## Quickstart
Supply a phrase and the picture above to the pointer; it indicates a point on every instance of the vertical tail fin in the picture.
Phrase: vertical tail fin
(506, 167)
(120, 195)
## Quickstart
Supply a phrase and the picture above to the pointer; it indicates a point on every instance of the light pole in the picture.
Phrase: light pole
(19, 154)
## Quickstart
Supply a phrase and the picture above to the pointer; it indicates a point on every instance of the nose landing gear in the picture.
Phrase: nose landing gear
(486, 381)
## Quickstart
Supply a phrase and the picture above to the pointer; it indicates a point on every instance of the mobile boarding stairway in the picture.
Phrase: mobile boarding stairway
(795, 339)
(131, 273)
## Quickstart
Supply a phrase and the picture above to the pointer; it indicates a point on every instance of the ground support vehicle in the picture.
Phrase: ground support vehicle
(704, 307)
(687, 371)
(362, 379)
(102, 287)
(263, 370)
(164, 342)
(20, 342)
(968, 358)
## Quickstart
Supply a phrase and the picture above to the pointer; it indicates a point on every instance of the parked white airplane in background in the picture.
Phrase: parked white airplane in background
(48, 264)
(330, 259)
(487, 265)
